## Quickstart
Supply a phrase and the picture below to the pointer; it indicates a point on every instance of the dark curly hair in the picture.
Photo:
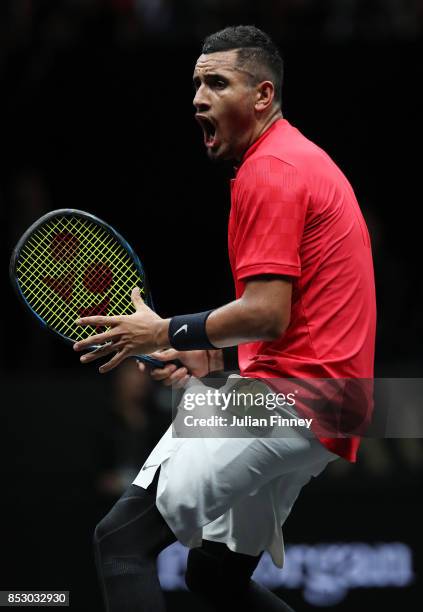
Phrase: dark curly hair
(256, 51)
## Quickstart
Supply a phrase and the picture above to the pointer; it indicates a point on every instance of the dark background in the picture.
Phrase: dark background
(96, 114)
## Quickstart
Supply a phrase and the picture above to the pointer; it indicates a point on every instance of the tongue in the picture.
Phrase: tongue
(211, 140)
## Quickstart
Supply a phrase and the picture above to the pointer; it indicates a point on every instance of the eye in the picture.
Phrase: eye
(220, 83)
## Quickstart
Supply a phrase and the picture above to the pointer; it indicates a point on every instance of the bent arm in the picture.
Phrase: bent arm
(262, 313)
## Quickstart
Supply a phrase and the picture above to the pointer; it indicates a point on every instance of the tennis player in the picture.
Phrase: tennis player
(305, 308)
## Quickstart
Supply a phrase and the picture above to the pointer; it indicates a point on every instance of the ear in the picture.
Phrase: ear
(265, 95)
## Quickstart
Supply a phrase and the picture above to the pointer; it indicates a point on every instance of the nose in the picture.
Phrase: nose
(200, 101)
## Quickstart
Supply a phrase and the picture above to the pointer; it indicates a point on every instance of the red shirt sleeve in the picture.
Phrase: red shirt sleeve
(270, 207)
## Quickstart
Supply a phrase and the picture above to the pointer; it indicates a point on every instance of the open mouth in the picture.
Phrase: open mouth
(209, 130)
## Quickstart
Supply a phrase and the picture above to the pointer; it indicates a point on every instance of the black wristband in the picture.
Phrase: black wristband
(188, 332)
(230, 358)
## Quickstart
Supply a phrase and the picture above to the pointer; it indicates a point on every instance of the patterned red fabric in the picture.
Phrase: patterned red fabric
(295, 214)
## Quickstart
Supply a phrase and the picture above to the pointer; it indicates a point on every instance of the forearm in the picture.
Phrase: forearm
(238, 323)
(232, 324)
(261, 313)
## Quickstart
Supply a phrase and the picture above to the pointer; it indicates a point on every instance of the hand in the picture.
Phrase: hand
(129, 335)
(196, 363)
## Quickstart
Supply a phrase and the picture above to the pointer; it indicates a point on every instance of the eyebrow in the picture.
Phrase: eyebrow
(221, 76)
(209, 75)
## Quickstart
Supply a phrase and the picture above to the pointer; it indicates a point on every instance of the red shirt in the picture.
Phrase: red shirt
(295, 214)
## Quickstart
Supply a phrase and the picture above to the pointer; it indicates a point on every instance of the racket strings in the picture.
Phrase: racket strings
(96, 306)
(72, 267)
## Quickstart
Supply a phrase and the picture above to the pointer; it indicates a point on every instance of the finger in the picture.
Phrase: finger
(166, 355)
(114, 361)
(97, 354)
(107, 336)
(98, 321)
(176, 377)
(176, 383)
(162, 373)
(136, 298)
(141, 366)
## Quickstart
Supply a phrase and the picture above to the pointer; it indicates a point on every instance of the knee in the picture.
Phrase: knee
(106, 533)
(114, 522)
(113, 556)
(98, 533)
(132, 528)
(107, 524)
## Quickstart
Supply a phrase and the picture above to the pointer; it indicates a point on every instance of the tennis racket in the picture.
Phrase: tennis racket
(69, 264)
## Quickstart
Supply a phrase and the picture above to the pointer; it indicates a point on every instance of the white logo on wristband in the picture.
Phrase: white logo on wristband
(183, 328)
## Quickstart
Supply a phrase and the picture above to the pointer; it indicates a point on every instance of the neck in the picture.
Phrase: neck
(262, 127)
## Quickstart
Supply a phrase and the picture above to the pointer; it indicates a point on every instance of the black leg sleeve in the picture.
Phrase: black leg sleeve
(127, 542)
(223, 578)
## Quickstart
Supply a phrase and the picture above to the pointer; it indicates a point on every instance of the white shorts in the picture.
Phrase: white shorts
(238, 491)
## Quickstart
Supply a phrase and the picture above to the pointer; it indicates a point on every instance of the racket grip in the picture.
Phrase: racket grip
(156, 363)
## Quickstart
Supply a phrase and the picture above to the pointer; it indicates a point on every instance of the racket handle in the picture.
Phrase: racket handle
(156, 363)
